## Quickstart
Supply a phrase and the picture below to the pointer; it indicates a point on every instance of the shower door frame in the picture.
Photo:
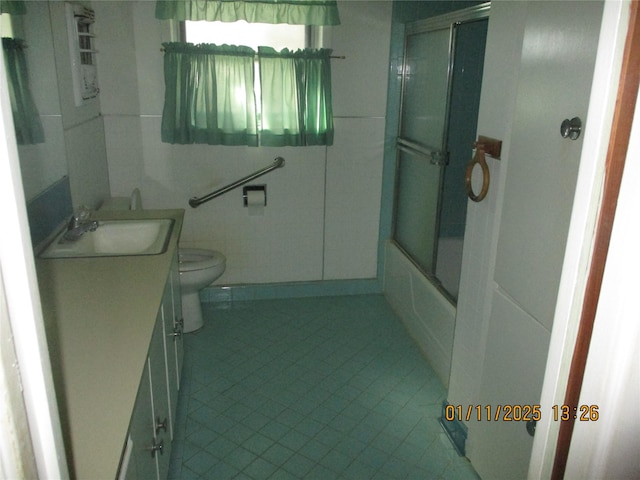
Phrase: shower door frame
(451, 21)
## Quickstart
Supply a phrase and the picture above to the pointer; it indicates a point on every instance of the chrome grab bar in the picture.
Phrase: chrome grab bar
(195, 201)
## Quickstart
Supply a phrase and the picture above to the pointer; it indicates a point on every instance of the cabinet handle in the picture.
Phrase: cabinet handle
(156, 447)
(161, 425)
(179, 321)
(177, 332)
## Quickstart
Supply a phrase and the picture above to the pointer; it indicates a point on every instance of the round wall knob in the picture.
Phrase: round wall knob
(531, 427)
(571, 128)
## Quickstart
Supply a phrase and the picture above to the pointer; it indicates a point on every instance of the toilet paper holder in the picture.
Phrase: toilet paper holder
(253, 189)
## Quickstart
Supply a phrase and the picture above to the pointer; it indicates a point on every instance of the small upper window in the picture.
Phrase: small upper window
(254, 35)
(6, 27)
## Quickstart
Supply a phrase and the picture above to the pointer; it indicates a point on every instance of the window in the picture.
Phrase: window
(6, 27)
(251, 84)
(252, 35)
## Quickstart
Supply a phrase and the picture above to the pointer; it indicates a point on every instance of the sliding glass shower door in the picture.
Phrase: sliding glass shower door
(421, 143)
(441, 82)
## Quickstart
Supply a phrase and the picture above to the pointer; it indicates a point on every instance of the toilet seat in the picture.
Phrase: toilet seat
(193, 259)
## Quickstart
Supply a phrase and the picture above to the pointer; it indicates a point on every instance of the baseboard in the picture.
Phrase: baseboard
(325, 288)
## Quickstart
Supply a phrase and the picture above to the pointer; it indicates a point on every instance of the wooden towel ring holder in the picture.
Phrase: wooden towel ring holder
(478, 159)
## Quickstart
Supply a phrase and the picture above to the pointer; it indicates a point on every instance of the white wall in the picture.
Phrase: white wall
(322, 215)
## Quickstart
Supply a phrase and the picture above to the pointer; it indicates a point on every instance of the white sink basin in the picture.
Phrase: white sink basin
(115, 238)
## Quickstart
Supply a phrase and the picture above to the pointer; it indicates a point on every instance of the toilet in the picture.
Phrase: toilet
(198, 267)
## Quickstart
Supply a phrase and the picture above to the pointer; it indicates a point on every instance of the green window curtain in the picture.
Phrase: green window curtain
(25, 114)
(295, 12)
(13, 7)
(209, 95)
(296, 97)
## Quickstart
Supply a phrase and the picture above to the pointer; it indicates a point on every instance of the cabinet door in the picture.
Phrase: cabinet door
(160, 396)
(171, 334)
(152, 422)
(178, 319)
(142, 465)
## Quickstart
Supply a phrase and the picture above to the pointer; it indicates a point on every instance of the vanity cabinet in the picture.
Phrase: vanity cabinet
(152, 425)
(114, 333)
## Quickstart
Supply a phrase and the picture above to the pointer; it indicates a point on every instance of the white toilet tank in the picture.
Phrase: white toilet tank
(132, 202)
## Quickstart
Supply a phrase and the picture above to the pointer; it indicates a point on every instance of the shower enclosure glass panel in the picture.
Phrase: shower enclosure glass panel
(469, 40)
(426, 88)
(418, 183)
(420, 144)
(442, 75)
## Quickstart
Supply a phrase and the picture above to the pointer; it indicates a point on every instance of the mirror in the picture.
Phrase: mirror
(42, 157)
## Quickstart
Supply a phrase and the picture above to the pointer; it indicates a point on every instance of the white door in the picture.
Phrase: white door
(558, 57)
(554, 83)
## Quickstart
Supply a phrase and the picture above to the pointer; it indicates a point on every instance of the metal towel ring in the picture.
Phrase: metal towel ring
(478, 158)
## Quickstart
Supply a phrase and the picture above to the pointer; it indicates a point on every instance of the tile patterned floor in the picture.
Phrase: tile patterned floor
(315, 388)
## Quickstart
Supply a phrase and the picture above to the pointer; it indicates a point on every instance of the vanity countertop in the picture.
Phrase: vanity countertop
(99, 316)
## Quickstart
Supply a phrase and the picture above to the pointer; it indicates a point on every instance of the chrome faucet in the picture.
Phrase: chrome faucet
(79, 224)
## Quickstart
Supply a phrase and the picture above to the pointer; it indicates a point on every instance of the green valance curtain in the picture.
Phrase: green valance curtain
(209, 95)
(295, 12)
(296, 97)
(13, 7)
(25, 114)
